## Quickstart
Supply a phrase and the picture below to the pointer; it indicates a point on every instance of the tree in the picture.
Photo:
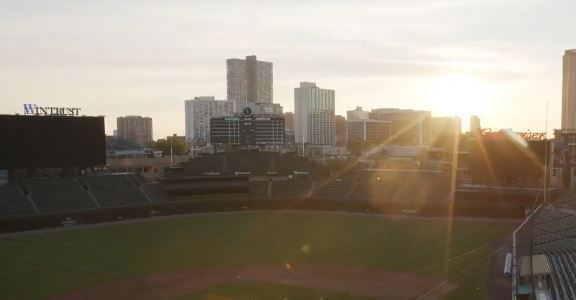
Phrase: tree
(178, 146)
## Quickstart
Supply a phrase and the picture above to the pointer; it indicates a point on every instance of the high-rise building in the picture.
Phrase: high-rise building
(314, 120)
(409, 127)
(135, 128)
(475, 124)
(569, 90)
(248, 81)
(199, 111)
(265, 108)
(357, 114)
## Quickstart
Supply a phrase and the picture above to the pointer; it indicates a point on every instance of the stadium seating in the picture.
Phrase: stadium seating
(295, 188)
(13, 202)
(244, 162)
(58, 194)
(563, 274)
(259, 189)
(115, 190)
(554, 234)
(201, 165)
(338, 188)
(402, 186)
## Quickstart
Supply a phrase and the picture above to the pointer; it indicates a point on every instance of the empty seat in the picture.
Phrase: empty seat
(13, 203)
(115, 190)
(259, 189)
(335, 189)
(58, 194)
(291, 188)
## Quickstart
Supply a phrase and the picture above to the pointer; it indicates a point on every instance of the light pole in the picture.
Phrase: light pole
(171, 152)
(546, 153)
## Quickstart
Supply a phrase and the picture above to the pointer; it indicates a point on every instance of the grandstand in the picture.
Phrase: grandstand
(111, 190)
(334, 188)
(13, 202)
(260, 189)
(37, 196)
(58, 194)
(244, 161)
(298, 188)
(550, 234)
(402, 185)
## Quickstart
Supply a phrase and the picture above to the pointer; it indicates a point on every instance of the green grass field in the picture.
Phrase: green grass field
(267, 291)
(45, 265)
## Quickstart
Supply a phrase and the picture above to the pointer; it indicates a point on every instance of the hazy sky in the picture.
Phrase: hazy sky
(113, 57)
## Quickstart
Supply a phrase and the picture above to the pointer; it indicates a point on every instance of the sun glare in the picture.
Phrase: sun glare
(459, 96)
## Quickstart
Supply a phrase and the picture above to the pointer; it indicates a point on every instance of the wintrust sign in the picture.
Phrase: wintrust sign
(36, 110)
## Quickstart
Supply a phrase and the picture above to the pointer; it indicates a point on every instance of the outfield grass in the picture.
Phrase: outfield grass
(266, 291)
(40, 266)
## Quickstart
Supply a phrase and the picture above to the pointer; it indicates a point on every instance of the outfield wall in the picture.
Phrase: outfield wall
(460, 207)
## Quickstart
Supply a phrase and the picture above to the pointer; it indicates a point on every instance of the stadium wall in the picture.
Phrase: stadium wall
(460, 207)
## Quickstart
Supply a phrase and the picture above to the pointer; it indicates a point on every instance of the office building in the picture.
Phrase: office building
(266, 108)
(137, 129)
(248, 81)
(357, 114)
(569, 90)
(409, 127)
(370, 131)
(198, 113)
(314, 120)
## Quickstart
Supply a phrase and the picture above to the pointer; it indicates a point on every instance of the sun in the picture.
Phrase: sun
(458, 95)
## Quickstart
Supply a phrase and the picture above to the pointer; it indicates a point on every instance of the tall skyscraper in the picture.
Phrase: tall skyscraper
(248, 81)
(314, 120)
(569, 90)
(198, 113)
(135, 128)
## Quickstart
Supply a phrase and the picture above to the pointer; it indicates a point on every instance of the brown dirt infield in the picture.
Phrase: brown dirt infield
(374, 283)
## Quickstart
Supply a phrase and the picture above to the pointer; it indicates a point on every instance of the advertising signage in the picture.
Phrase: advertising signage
(37, 110)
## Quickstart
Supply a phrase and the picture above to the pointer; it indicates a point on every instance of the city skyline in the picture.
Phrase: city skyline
(128, 58)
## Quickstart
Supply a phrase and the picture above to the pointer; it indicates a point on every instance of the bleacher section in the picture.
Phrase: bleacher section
(114, 190)
(257, 163)
(58, 194)
(554, 234)
(338, 188)
(66, 194)
(259, 189)
(291, 189)
(13, 202)
(403, 186)
(245, 162)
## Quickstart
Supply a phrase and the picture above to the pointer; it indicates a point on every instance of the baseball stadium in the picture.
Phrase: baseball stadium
(252, 224)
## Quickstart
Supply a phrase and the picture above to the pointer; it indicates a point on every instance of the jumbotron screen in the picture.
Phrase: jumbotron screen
(51, 142)
(506, 158)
